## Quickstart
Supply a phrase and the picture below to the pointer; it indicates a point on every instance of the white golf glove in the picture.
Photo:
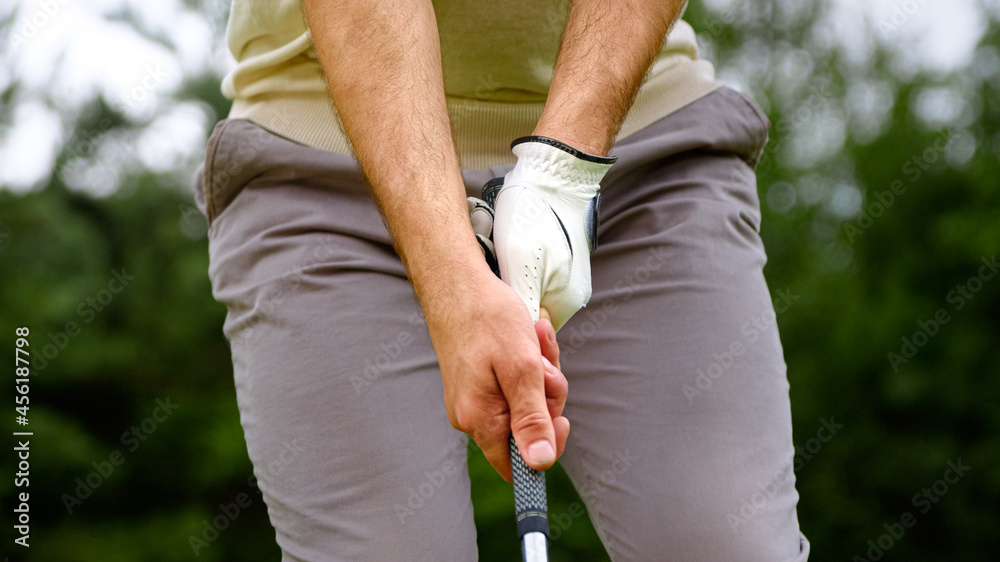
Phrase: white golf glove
(545, 224)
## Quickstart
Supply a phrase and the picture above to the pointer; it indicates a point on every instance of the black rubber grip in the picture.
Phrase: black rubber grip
(530, 505)
(491, 190)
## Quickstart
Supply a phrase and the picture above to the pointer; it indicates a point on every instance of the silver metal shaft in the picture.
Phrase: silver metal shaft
(534, 547)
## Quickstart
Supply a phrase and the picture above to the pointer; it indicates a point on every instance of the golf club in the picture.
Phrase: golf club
(530, 504)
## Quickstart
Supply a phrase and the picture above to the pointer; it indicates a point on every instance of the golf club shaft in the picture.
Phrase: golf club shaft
(535, 547)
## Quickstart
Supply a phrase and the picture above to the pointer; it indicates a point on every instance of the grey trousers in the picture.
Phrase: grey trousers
(681, 445)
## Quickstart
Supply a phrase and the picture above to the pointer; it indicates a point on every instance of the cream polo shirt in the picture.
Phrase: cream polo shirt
(497, 60)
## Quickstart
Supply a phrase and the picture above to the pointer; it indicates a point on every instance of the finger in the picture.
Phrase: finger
(496, 449)
(491, 433)
(486, 419)
(523, 384)
(556, 390)
(481, 217)
(547, 339)
(561, 425)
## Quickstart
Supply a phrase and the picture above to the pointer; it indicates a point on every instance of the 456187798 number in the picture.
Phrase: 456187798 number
(21, 371)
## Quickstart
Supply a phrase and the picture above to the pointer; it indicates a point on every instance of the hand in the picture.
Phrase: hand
(500, 373)
(545, 225)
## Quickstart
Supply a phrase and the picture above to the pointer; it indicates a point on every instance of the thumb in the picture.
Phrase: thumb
(530, 421)
(481, 217)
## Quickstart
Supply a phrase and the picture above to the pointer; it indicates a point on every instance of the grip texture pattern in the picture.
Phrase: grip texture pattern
(530, 504)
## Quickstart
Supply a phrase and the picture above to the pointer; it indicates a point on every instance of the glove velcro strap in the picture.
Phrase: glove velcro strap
(560, 165)
(609, 160)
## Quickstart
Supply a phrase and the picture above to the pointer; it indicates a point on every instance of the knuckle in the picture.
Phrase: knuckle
(524, 365)
(561, 387)
(530, 421)
(519, 366)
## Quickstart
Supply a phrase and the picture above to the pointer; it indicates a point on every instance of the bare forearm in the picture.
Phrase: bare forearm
(383, 66)
(606, 50)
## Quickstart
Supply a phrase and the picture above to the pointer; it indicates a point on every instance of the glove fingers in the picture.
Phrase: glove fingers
(481, 216)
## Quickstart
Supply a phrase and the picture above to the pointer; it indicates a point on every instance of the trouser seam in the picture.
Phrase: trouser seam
(209, 174)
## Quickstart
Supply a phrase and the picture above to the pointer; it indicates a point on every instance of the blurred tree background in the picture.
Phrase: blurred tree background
(879, 190)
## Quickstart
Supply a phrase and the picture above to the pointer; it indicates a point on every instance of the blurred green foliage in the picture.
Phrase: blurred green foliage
(876, 236)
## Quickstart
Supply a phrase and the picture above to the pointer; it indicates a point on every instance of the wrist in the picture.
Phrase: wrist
(427, 217)
(444, 266)
(585, 138)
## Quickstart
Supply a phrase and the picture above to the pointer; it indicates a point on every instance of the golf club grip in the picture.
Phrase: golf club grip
(530, 504)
